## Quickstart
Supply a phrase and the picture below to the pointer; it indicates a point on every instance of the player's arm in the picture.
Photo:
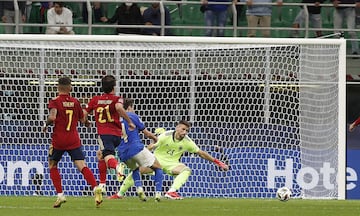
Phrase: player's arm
(158, 132)
(354, 124)
(50, 120)
(150, 135)
(210, 158)
(85, 119)
(120, 109)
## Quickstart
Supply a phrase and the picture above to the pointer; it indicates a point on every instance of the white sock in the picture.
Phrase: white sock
(60, 194)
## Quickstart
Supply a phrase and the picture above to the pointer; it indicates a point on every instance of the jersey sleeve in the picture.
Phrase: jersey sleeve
(79, 109)
(160, 140)
(52, 104)
(138, 123)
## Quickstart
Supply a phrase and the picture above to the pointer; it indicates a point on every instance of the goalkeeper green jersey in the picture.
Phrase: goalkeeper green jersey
(169, 150)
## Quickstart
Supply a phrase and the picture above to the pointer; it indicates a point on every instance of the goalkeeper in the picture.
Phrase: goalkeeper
(168, 150)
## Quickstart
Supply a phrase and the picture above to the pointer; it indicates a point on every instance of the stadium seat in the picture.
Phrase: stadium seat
(110, 8)
(2, 30)
(75, 7)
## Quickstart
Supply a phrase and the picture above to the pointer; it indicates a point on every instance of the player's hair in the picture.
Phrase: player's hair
(64, 81)
(61, 4)
(108, 83)
(184, 122)
(128, 102)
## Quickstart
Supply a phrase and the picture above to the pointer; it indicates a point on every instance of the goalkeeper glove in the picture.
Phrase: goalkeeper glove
(159, 131)
(221, 164)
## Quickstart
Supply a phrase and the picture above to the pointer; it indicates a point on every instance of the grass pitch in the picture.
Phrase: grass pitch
(84, 206)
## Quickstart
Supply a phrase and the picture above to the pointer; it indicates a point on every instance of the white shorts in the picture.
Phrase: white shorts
(144, 158)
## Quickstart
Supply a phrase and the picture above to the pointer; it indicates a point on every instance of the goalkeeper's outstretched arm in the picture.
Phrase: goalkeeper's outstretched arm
(210, 158)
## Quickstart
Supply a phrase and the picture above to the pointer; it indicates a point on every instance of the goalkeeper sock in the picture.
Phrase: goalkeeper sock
(56, 179)
(181, 178)
(89, 177)
(137, 177)
(102, 171)
(128, 183)
(158, 179)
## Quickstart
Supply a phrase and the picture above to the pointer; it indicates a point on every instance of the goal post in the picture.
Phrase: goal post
(273, 109)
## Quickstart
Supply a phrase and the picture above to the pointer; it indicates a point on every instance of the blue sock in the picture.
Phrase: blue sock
(158, 179)
(137, 178)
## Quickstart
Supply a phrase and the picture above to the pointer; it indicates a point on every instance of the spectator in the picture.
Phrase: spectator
(214, 14)
(127, 14)
(28, 6)
(258, 15)
(7, 14)
(45, 6)
(59, 15)
(314, 17)
(348, 15)
(98, 12)
(152, 16)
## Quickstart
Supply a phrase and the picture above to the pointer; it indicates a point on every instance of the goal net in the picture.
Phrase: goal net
(273, 109)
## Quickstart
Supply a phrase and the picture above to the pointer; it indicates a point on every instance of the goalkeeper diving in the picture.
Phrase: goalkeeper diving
(168, 150)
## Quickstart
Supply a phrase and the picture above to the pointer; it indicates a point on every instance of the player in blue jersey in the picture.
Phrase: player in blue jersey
(133, 152)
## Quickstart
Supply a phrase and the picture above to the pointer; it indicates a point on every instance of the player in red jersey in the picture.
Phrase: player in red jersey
(108, 108)
(353, 125)
(65, 113)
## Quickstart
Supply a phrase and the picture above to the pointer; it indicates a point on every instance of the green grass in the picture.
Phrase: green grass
(78, 206)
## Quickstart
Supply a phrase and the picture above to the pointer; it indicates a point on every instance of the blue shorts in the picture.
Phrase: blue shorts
(108, 144)
(75, 154)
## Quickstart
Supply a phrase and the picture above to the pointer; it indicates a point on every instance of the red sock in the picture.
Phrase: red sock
(56, 179)
(89, 177)
(102, 171)
(112, 163)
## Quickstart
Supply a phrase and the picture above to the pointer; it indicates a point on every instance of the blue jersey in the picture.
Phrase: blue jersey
(131, 143)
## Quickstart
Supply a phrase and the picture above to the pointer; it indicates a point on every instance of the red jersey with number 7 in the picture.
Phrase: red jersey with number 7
(65, 135)
(106, 117)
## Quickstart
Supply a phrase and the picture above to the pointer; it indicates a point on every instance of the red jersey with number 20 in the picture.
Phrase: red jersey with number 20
(106, 117)
(65, 134)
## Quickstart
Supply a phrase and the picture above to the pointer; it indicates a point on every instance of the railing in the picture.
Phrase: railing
(234, 27)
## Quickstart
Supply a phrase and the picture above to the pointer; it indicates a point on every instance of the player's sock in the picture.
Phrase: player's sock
(56, 179)
(102, 171)
(89, 177)
(158, 179)
(181, 178)
(137, 178)
(112, 163)
(128, 183)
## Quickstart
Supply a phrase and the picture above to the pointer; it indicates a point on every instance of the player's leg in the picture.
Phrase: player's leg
(79, 161)
(128, 183)
(158, 179)
(110, 143)
(102, 171)
(133, 165)
(146, 159)
(138, 184)
(54, 157)
(181, 173)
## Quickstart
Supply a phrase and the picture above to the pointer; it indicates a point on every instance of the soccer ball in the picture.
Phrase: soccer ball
(283, 194)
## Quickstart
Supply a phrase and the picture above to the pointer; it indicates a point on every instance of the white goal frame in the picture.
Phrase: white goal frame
(341, 175)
